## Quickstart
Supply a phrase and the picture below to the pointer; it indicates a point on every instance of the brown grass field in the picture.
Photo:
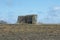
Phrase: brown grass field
(29, 32)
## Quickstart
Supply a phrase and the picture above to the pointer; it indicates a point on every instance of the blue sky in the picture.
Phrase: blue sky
(48, 11)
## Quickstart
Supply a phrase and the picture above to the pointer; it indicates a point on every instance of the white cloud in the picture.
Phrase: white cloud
(9, 3)
(57, 8)
(52, 16)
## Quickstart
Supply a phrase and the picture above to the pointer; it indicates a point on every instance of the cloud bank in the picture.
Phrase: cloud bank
(52, 16)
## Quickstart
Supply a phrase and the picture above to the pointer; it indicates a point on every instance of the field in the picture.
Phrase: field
(29, 32)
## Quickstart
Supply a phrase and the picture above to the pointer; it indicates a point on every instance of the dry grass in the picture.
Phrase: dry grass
(29, 32)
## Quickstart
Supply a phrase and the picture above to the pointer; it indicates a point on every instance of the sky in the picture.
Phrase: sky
(48, 11)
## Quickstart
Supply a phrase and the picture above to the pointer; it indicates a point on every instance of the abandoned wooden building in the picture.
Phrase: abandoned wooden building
(29, 19)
